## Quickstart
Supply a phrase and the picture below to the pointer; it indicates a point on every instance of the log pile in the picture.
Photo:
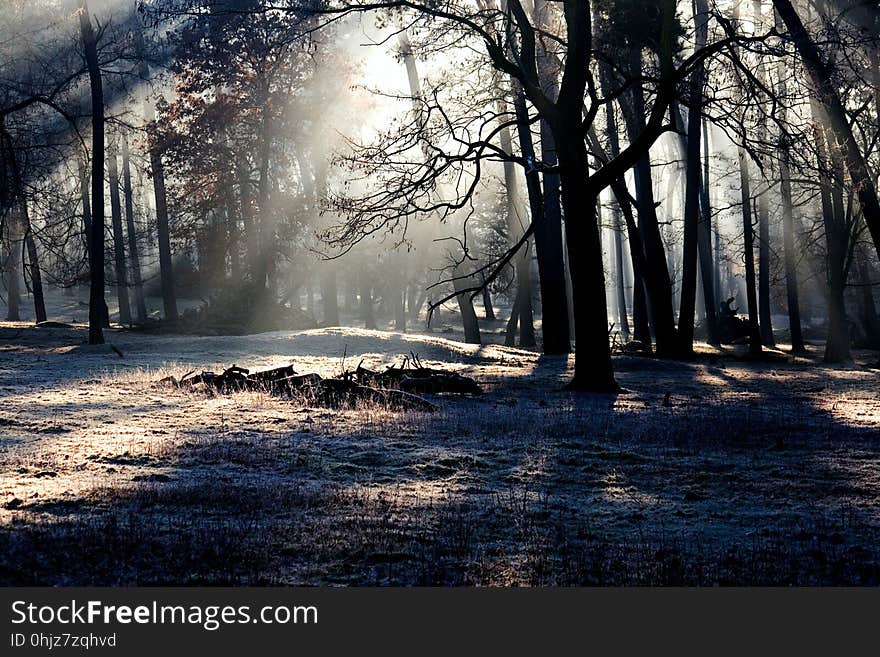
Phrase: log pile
(397, 388)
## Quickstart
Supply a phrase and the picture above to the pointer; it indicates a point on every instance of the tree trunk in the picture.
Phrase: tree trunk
(465, 305)
(398, 293)
(513, 320)
(837, 346)
(788, 245)
(548, 232)
(329, 291)
(251, 234)
(641, 325)
(641, 328)
(329, 296)
(33, 266)
(163, 233)
(870, 318)
(749, 255)
(367, 314)
(788, 241)
(708, 264)
(133, 251)
(822, 80)
(233, 240)
(656, 274)
(86, 207)
(764, 313)
(620, 266)
(488, 310)
(96, 240)
(87, 228)
(265, 250)
(548, 249)
(118, 238)
(692, 189)
(12, 270)
(516, 226)
(593, 367)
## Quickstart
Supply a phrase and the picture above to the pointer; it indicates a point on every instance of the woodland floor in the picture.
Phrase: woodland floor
(752, 474)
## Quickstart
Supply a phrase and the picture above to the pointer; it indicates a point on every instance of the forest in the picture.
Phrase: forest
(439, 292)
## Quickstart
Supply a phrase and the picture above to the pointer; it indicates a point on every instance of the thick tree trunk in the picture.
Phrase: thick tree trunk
(548, 233)
(837, 345)
(465, 305)
(133, 251)
(118, 238)
(593, 367)
(96, 239)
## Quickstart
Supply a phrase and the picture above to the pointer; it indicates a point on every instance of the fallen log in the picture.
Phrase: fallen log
(413, 377)
(338, 393)
(284, 381)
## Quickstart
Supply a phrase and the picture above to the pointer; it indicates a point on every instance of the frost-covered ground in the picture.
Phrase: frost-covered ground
(751, 473)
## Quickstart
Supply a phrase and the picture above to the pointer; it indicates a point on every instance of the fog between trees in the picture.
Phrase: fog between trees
(590, 176)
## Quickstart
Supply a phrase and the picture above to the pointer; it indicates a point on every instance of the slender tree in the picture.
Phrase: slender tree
(96, 237)
(118, 236)
(693, 187)
(33, 264)
(133, 249)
